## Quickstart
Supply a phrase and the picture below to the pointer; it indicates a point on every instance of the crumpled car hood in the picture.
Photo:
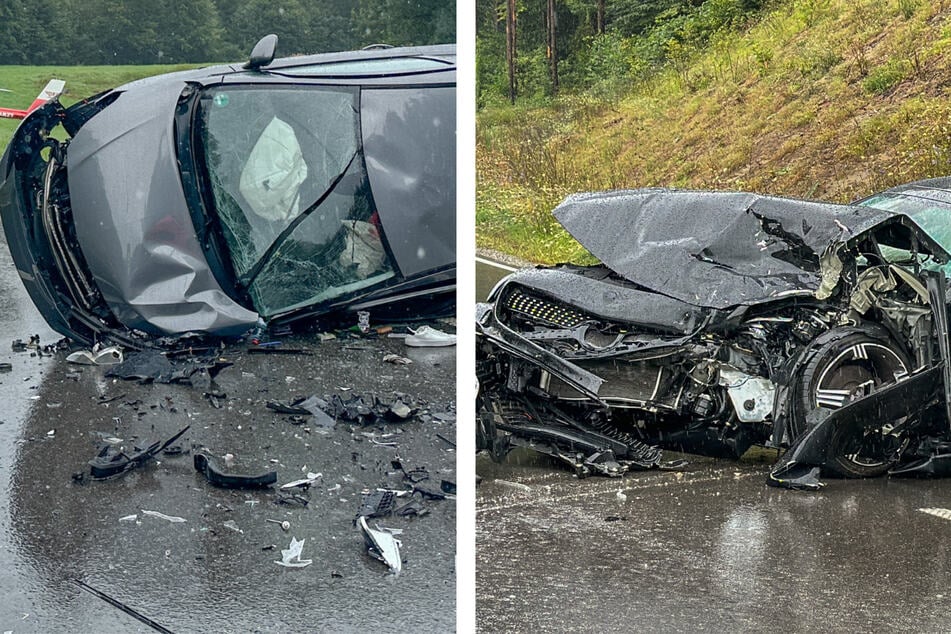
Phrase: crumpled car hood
(718, 249)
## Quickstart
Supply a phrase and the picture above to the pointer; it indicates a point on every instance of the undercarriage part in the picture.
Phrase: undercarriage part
(586, 449)
(935, 466)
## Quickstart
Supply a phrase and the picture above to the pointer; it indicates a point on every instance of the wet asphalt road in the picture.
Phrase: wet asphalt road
(712, 549)
(200, 576)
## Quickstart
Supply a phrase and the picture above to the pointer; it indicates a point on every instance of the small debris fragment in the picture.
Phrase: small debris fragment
(396, 359)
(944, 514)
(304, 483)
(129, 518)
(518, 486)
(232, 525)
(162, 516)
(290, 557)
(382, 545)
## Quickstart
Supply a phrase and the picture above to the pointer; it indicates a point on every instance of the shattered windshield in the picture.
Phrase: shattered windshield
(288, 183)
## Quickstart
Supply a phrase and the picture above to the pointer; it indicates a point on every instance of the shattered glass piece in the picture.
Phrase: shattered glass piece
(291, 556)
(232, 525)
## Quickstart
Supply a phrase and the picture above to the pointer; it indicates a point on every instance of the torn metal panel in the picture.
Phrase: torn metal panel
(860, 420)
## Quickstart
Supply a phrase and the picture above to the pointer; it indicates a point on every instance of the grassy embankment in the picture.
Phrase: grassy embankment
(25, 82)
(827, 99)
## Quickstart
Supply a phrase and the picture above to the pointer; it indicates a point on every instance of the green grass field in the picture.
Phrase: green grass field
(25, 82)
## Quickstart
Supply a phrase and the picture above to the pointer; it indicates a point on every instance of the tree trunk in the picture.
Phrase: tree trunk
(599, 18)
(551, 21)
(511, 51)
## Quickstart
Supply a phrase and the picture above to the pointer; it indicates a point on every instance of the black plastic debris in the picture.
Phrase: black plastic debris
(111, 462)
(377, 503)
(277, 349)
(218, 476)
(305, 406)
(6, 367)
(369, 409)
(413, 508)
(291, 499)
(150, 366)
(430, 490)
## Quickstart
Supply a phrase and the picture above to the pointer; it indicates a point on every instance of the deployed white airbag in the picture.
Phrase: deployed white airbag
(271, 179)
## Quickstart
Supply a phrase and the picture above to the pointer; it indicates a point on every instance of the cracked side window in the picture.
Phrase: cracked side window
(288, 185)
(930, 215)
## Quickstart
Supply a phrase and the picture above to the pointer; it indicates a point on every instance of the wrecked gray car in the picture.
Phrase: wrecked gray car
(229, 197)
(717, 321)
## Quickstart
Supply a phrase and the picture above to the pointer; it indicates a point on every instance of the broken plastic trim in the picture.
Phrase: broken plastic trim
(381, 545)
(108, 465)
(211, 469)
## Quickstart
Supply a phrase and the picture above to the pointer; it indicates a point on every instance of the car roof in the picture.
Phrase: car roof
(387, 66)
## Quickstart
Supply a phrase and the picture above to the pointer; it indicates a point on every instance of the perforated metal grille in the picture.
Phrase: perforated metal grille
(543, 310)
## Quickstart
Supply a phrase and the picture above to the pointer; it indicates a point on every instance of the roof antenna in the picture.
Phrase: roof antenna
(263, 52)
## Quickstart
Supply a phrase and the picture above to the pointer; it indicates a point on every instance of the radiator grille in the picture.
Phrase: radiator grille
(543, 310)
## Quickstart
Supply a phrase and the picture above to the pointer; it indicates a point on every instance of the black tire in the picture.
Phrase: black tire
(843, 361)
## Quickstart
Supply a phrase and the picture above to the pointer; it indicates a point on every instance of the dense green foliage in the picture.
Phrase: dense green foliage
(181, 31)
(640, 36)
(821, 99)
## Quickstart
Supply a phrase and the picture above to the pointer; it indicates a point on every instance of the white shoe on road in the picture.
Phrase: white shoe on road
(426, 337)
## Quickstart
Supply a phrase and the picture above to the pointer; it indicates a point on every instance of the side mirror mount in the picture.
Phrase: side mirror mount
(263, 52)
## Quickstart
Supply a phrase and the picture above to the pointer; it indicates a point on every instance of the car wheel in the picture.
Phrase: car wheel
(841, 370)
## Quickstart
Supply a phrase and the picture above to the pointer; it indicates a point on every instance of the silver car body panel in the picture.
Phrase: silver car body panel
(133, 224)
